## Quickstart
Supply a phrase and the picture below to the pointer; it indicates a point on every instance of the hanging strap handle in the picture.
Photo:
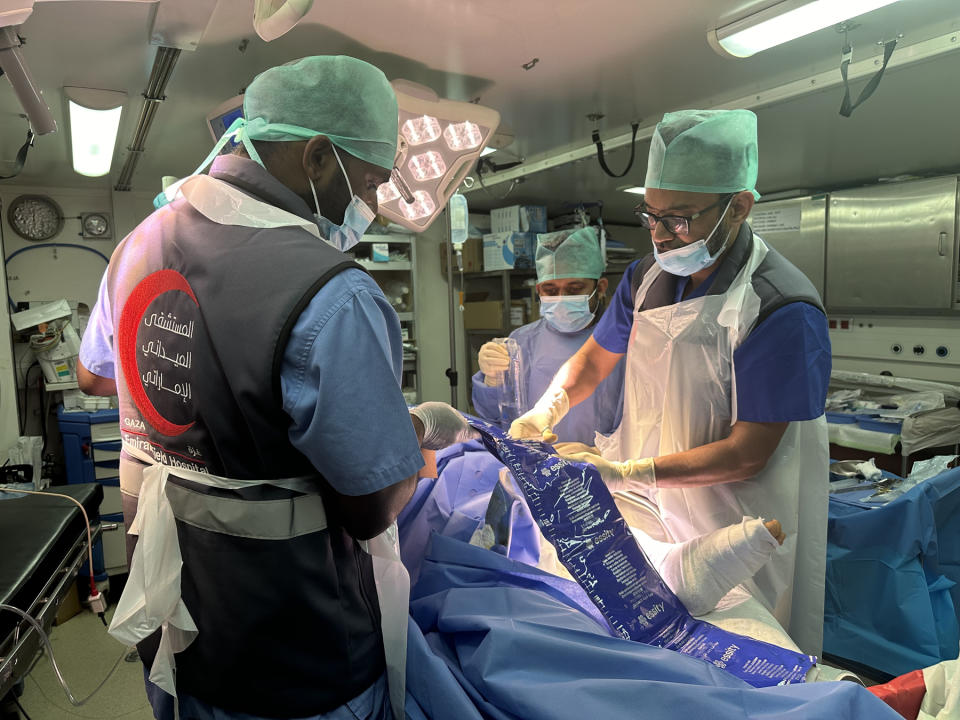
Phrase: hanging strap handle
(21, 156)
(633, 147)
(846, 108)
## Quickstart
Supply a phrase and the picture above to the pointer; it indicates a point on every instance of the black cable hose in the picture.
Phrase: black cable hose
(16, 702)
(26, 396)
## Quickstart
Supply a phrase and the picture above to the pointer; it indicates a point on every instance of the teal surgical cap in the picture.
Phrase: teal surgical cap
(569, 254)
(706, 151)
(346, 99)
(343, 98)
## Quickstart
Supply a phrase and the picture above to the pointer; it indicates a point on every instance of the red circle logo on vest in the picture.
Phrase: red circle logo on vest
(155, 348)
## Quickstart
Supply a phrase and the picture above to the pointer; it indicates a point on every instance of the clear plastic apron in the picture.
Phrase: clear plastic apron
(680, 393)
(151, 599)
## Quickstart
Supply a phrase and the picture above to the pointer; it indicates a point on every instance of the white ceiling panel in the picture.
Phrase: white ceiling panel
(627, 59)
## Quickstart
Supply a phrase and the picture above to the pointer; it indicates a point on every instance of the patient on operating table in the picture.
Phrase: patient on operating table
(700, 571)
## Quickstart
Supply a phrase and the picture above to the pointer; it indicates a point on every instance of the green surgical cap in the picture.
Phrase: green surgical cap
(348, 100)
(706, 151)
(569, 254)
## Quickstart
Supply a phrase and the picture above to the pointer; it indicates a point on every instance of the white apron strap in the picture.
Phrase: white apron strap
(226, 205)
(393, 592)
(151, 598)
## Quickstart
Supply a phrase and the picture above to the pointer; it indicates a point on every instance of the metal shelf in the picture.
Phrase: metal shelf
(396, 239)
(520, 272)
(392, 265)
(405, 243)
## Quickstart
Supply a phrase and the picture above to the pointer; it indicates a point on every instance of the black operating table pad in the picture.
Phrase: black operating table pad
(42, 542)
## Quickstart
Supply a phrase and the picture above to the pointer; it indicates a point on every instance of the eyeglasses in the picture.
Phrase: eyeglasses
(674, 224)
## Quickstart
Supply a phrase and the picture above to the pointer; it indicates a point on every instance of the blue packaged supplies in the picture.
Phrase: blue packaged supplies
(840, 418)
(880, 424)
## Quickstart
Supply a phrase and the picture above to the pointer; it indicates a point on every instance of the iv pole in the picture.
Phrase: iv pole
(451, 372)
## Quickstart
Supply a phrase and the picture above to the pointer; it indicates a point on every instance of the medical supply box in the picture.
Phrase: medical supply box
(488, 314)
(519, 218)
(483, 315)
(472, 254)
(508, 250)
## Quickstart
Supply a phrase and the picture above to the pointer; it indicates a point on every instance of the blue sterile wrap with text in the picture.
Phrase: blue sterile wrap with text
(577, 514)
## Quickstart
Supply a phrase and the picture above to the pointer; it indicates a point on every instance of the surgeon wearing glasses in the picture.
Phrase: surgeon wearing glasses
(727, 366)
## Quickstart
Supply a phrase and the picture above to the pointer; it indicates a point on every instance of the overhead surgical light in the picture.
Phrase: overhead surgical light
(94, 122)
(438, 143)
(273, 18)
(14, 67)
(421, 130)
(785, 21)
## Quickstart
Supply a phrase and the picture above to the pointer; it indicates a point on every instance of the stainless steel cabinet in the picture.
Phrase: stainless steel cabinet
(893, 247)
(797, 229)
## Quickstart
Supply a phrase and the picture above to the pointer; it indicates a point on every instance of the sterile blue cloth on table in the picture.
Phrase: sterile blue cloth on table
(893, 578)
(493, 638)
(433, 688)
(577, 514)
(458, 504)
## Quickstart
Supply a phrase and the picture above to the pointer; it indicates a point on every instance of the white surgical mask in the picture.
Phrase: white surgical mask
(356, 217)
(687, 260)
(567, 313)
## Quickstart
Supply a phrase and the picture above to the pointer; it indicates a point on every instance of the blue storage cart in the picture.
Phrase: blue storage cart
(91, 449)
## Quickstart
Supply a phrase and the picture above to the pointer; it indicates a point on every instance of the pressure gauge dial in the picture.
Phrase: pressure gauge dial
(95, 225)
(35, 217)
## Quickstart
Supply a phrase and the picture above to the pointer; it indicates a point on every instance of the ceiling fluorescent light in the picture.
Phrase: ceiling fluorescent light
(785, 21)
(636, 190)
(94, 122)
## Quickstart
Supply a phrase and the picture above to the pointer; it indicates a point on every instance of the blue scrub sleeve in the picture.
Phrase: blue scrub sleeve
(96, 347)
(340, 379)
(783, 367)
(486, 399)
(613, 328)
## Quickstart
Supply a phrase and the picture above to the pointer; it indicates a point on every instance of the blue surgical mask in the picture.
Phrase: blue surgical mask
(356, 217)
(567, 313)
(687, 260)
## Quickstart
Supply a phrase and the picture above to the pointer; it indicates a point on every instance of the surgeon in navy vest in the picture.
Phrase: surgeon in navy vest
(264, 428)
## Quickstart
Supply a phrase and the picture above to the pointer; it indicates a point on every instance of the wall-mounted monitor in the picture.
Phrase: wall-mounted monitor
(222, 116)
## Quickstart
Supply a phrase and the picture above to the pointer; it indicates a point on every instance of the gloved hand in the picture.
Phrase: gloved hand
(537, 423)
(494, 359)
(571, 448)
(627, 475)
(442, 425)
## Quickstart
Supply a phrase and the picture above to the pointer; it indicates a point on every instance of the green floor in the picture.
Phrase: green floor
(85, 654)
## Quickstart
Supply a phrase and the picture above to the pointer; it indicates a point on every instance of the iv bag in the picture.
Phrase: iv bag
(459, 220)
(512, 398)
